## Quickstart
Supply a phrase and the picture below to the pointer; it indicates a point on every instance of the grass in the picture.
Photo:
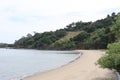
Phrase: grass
(68, 36)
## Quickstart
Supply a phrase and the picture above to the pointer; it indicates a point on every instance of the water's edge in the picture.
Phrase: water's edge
(39, 73)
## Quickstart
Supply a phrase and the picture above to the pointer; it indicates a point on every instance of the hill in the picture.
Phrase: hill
(68, 36)
(77, 35)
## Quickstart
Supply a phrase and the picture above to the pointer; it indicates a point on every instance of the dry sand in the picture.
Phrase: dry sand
(82, 69)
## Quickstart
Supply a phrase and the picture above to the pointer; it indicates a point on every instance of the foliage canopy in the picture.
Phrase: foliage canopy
(91, 34)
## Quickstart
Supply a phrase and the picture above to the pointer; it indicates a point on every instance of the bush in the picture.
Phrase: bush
(111, 60)
(114, 48)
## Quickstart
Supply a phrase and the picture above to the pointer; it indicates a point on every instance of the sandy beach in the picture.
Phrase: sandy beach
(83, 68)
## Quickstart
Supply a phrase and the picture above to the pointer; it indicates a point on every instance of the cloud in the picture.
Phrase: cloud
(19, 17)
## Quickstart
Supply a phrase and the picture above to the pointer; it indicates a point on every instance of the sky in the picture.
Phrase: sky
(20, 17)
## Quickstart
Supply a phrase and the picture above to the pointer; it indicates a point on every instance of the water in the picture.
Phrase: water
(18, 63)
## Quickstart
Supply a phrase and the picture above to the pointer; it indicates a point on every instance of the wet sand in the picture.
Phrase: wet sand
(83, 68)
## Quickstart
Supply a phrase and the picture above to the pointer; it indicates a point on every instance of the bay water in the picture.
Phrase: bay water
(19, 63)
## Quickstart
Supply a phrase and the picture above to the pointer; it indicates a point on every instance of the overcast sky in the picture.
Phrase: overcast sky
(19, 17)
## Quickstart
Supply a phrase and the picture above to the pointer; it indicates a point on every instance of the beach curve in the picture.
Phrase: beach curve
(83, 68)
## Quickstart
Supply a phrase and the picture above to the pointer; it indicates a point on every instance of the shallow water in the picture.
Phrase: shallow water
(17, 63)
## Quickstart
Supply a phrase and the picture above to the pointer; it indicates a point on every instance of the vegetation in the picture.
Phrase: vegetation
(3, 45)
(64, 42)
(68, 36)
(80, 35)
(111, 59)
(40, 40)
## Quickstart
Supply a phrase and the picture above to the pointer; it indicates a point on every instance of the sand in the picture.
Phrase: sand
(83, 68)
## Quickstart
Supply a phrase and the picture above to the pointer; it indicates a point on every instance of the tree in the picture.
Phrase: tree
(113, 14)
(60, 33)
(100, 32)
(64, 45)
(80, 37)
(96, 38)
(3, 45)
(116, 27)
(29, 35)
(114, 48)
(111, 60)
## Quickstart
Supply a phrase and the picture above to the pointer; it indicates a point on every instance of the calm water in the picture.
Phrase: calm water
(17, 63)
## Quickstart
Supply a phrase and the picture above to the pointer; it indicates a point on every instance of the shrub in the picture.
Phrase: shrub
(111, 60)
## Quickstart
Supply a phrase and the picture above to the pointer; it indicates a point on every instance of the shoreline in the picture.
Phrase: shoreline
(75, 67)
(73, 52)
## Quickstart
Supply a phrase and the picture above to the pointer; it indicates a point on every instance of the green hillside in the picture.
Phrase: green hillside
(77, 35)
(111, 59)
(68, 36)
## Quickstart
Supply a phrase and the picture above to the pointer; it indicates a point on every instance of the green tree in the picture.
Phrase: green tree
(114, 48)
(80, 37)
(111, 60)
(116, 27)
(97, 40)
(65, 45)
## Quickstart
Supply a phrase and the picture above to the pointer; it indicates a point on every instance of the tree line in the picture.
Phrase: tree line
(91, 35)
(111, 59)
